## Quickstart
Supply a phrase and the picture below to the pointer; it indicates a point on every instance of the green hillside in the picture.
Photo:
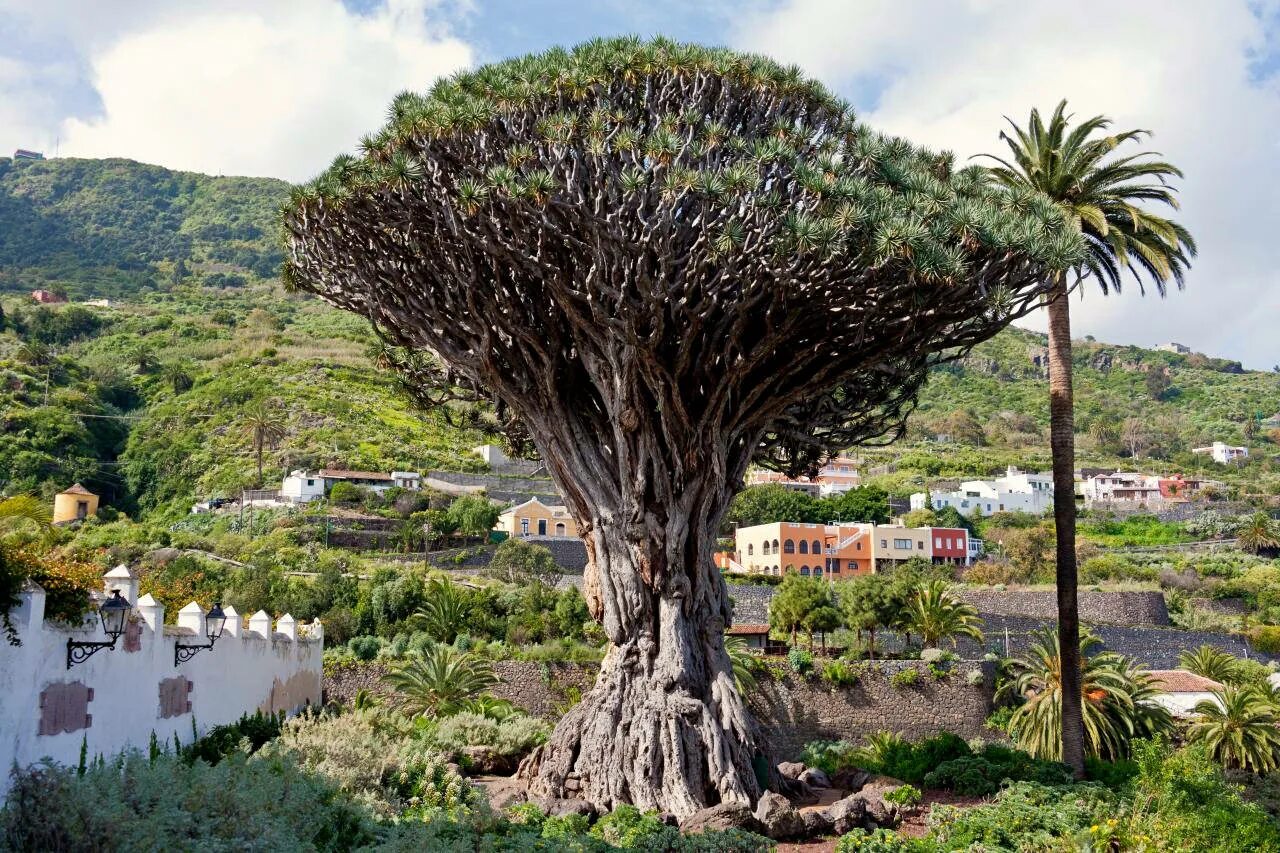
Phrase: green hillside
(144, 400)
(115, 228)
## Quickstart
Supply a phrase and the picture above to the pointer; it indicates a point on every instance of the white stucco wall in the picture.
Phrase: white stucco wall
(1181, 704)
(249, 668)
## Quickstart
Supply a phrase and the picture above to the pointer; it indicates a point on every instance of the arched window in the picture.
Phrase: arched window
(789, 547)
(775, 546)
(817, 547)
(750, 550)
(804, 570)
(804, 546)
(817, 571)
(560, 528)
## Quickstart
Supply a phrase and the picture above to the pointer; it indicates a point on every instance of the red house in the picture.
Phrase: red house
(47, 297)
(950, 545)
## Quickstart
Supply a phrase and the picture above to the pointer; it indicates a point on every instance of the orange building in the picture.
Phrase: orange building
(821, 550)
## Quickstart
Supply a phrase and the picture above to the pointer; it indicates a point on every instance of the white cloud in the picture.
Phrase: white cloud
(238, 87)
(946, 73)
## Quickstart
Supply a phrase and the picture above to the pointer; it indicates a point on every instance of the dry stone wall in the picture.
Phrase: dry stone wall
(1109, 608)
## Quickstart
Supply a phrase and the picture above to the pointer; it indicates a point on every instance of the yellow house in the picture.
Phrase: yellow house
(893, 544)
(534, 518)
(75, 504)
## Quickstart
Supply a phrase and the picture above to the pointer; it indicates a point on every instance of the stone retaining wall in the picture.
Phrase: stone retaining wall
(792, 710)
(1111, 608)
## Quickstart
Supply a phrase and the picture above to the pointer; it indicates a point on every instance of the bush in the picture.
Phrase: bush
(221, 741)
(839, 673)
(882, 841)
(1266, 639)
(904, 795)
(890, 755)
(1113, 774)
(365, 648)
(1025, 816)
(830, 756)
(905, 678)
(343, 492)
(983, 774)
(516, 735)
(800, 661)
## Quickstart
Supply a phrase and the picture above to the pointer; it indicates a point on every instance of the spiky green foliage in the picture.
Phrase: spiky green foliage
(1259, 534)
(443, 680)
(1209, 662)
(744, 662)
(444, 614)
(1104, 196)
(1117, 700)
(739, 201)
(935, 613)
(1239, 728)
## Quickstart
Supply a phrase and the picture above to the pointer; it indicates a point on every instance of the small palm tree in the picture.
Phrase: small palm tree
(143, 358)
(34, 353)
(178, 377)
(409, 536)
(1258, 534)
(935, 613)
(1238, 727)
(1116, 698)
(1209, 662)
(445, 612)
(744, 663)
(26, 512)
(1105, 197)
(440, 682)
(265, 427)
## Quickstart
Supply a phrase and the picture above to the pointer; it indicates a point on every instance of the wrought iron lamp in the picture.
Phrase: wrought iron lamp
(214, 621)
(114, 612)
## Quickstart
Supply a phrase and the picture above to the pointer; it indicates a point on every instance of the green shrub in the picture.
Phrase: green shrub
(882, 841)
(830, 756)
(1266, 639)
(343, 492)
(800, 661)
(911, 762)
(983, 774)
(1113, 774)
(365, 648)
(839, 673)
(220, 741)
(1024, 816)
(905, 678)
(627, 827)
(515, 735)
(904, 795)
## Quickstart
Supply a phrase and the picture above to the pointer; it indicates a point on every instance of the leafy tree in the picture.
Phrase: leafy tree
(409, 536)
(1239, 728)
(796, 599)
(865, 503)
(1029, 548)
(869, 603)
(443, 680)
(770, 503)
(820, 620)
(1104, 197)
(519, 562)
(633, 247)
(265, 427)
(473, 515)
(1158, 383)
(935, 613)
(445, 612)
(1115, 698)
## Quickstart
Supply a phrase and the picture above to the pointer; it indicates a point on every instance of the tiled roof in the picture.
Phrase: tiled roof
(1181, 681)
(78, 489)
(338, 474)
(738, 630)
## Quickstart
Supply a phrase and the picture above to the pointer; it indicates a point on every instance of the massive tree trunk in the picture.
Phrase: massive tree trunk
(664, 727)
(1062, 444)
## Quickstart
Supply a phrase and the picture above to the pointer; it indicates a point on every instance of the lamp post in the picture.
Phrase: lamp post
(214, 621)
(113, 613)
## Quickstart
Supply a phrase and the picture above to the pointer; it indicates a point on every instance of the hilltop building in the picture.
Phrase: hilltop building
(24, 154)
(534, 518)
(836, 477)
(840, 550)
(1223, 453)
(1174, 347)
(47, 297)
(75, 504)
(1016, 491)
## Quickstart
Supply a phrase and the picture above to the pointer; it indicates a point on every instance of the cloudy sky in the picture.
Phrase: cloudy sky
(279, 87)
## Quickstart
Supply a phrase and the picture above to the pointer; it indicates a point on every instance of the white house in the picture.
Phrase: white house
(1121, 486)
(1179, 691)
(1016, 491)
(1175, 347)
(375, 480)
(410, 480)
(301, 487)
(492, 454)
(1223, 453)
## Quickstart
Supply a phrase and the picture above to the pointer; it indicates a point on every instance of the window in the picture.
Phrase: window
(817, 571)
(311, 482)
(542, 527)
(937, 541)
(834, 564)
(884, 543)
(751, 550)
(858, 545)
(804, 570)
(524, 527)
(921, 545)
(804, 546)
(560, 528)
(902, 544)
(817, 547)
(789, 547)
(775, 546)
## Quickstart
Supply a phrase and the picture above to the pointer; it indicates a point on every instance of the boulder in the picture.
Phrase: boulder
(504, 793)
(779, 818)
(851, 779)
(816, 823)
(722, 816)
(790, 769)
(486, 760)
(847, 815)
(815, 778)
(880, 812)
(557, 807)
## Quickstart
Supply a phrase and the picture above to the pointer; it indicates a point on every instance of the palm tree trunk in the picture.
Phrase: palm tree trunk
(1062, 445)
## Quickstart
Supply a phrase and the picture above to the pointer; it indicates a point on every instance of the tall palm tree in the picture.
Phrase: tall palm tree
(935, 613)
(1114, 694)
(1238, 726)
(1105, 197)
(445, 613)
(443, 680)
(265, 427)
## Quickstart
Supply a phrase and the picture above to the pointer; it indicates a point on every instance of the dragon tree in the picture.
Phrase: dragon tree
(660, 263)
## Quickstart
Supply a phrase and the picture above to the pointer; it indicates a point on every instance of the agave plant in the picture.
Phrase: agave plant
(1238, 727)
(1116, 695)
(441, 682)
(935, 613)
